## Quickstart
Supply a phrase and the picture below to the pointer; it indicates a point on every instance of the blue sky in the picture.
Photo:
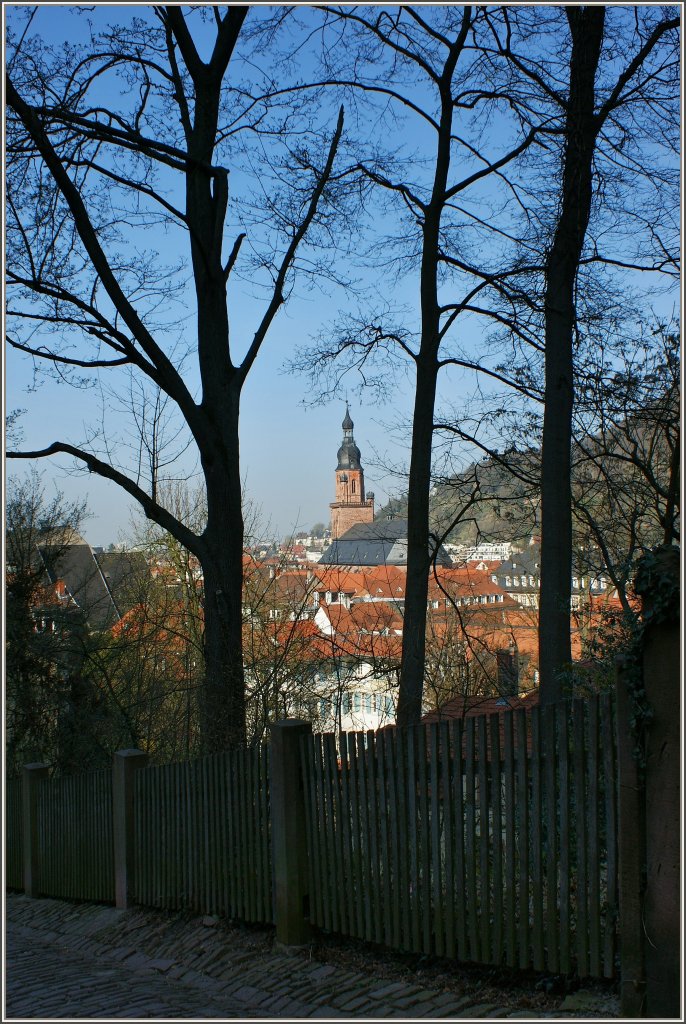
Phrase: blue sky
(288, 446)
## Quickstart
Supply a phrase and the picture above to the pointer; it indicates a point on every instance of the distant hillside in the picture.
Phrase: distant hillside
(505, 508)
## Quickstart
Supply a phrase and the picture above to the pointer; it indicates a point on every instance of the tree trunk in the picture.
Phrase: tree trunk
(418, 559)
(581, 130)
(222, 712)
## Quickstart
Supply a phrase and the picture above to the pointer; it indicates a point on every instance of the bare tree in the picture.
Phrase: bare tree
(596, 98)
(426, 65)
(140, 128)
(601, 115)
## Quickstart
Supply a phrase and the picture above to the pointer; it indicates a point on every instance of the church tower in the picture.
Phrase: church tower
(351, 506)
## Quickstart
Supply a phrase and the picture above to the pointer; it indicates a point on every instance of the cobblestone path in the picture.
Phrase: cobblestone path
(85, 961)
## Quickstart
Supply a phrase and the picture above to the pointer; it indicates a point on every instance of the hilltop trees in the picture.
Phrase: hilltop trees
(137, 128)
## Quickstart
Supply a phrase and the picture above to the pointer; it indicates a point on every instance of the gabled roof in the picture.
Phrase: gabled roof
(382, 542)
(75, 564)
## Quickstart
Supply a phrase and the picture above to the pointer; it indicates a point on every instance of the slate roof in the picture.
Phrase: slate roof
(382, 542)
(98, 585)
(123, 572)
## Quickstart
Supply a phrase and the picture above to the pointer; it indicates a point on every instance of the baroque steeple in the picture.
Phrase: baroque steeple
(351, 505)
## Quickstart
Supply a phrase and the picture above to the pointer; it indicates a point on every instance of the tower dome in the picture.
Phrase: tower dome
(348, 453)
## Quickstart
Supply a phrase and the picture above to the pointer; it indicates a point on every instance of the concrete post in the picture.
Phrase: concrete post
(31, 776)
(289, 839)
(662, 682)
(124, 767)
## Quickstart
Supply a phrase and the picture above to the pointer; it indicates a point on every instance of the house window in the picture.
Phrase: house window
(507, 581)
(356, 702)
(603, 583)
(346, 703)
(368, 703)
(353, 487)
(322, 709)
(388, 705)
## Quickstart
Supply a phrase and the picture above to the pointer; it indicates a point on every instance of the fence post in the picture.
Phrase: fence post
(124, 767)
(289, 839)
(31, 776)
(658, 583)
(631, 843)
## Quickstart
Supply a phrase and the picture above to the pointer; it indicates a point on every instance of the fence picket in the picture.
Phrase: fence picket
(436, 872)
(458, 798)
(376, 931)
(523, 836)
(405, 825)
(551, 858)
(593, 769)
(389, 742)
(580, 818)
(348, 885)
(414, 933)
(425, 841)
(484, 841)
(365, 876)
(562, 714)
(384, 858)
(333, 827)
(356, 841)
(536, 842)
(510, 841)
(497, 832)
(610, 846)
(448, 837)
(470, 841)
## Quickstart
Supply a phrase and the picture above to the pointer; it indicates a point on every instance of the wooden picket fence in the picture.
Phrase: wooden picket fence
(14, 870)
(202, 832)
(492, 839)
(75, 836)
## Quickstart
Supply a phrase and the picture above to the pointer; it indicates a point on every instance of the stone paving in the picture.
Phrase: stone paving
(86, 961)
